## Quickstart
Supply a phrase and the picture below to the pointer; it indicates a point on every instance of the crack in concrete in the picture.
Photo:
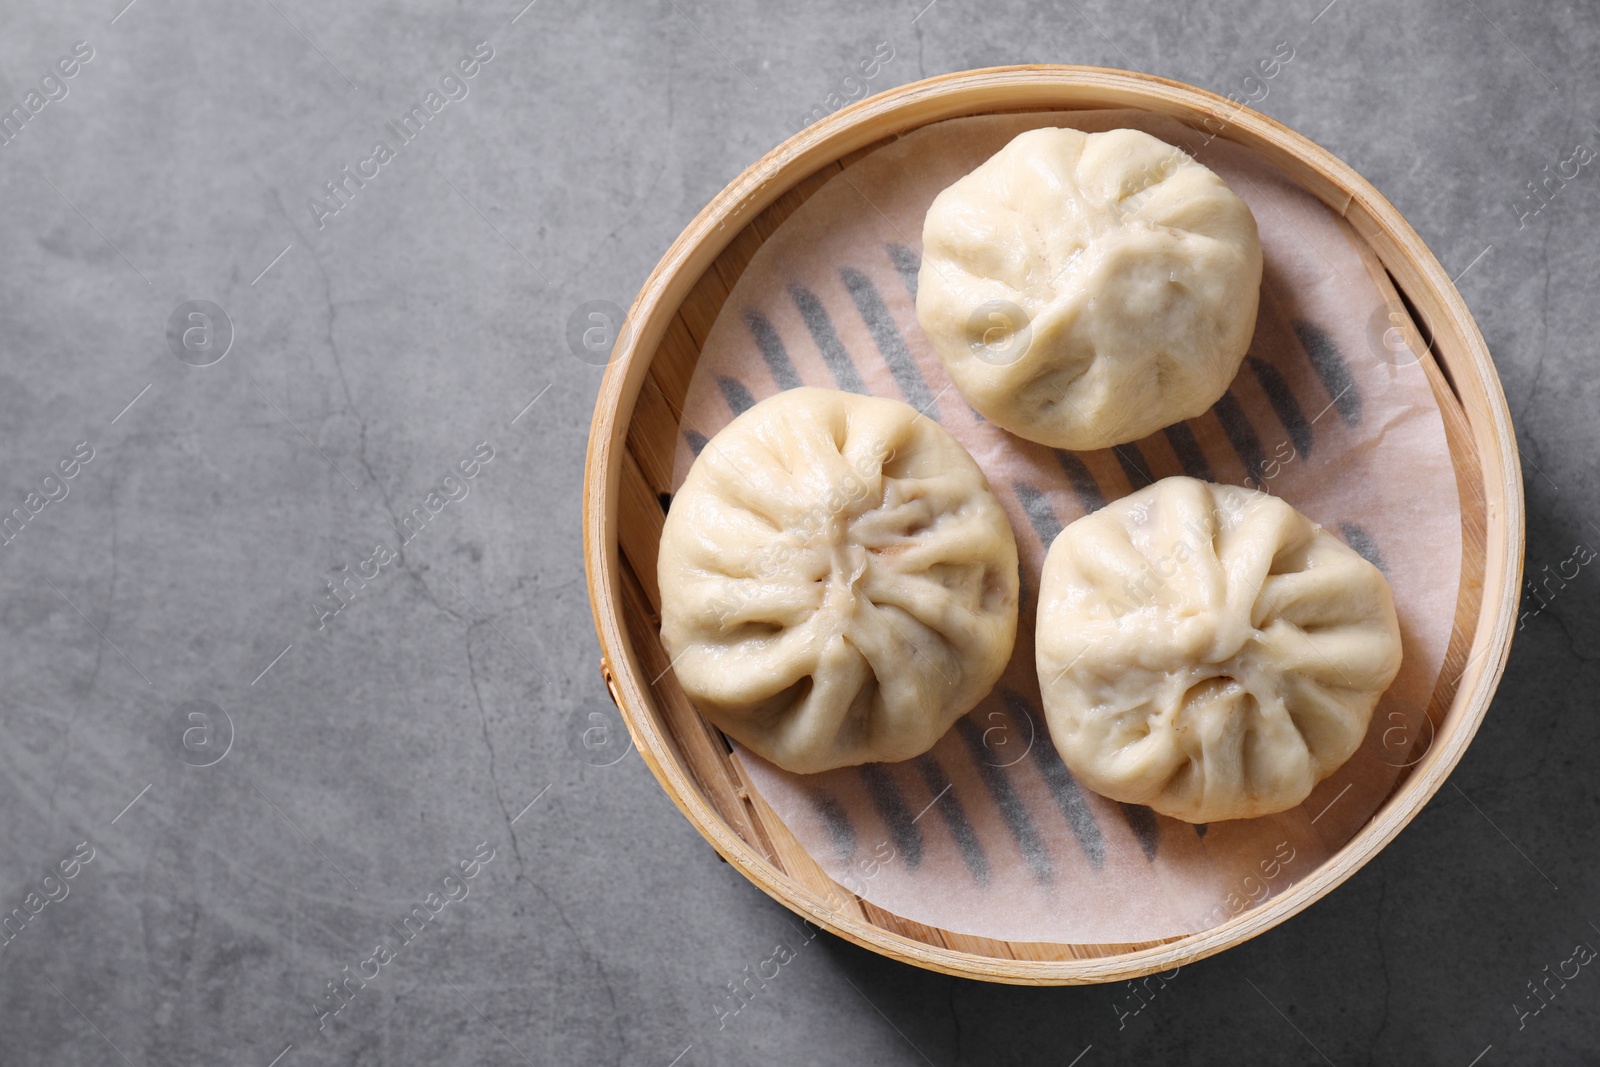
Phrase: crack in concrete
(488, 743)
(361, 420)
(94, 673)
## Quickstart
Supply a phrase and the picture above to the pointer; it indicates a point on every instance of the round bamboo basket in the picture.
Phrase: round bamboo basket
(628, 473)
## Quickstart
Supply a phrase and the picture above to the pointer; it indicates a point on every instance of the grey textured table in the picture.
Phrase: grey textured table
(248, 804)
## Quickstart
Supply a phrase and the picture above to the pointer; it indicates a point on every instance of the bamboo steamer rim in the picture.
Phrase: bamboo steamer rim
(1459, 347)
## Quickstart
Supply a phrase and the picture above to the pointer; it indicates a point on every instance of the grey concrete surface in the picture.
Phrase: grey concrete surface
(350, 769)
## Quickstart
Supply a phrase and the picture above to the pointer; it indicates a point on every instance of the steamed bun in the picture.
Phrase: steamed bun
(1209, 651)
(838, 584)
(1084, 290)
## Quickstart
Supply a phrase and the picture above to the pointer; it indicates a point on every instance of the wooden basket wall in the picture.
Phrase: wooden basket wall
(629, 468)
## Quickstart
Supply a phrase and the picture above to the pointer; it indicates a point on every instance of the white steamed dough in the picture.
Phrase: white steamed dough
(1084, 290)
(1209, 651)
(838, 583)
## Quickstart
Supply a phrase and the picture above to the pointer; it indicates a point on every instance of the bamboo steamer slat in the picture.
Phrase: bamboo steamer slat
(629, 466)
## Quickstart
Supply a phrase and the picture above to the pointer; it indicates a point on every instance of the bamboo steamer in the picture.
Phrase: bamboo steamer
(629, 468)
